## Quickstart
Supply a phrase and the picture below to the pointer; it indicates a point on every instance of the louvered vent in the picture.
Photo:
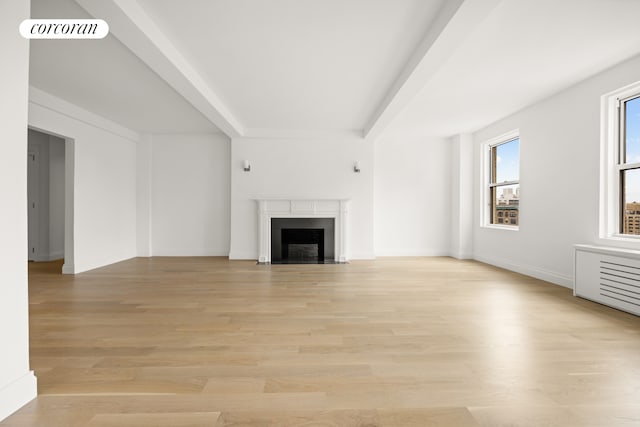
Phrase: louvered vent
(620, 282)
(610, 276)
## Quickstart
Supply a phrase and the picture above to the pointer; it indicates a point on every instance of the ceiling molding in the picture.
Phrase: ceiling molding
(53, 103)
(134, 28)
(454, 23)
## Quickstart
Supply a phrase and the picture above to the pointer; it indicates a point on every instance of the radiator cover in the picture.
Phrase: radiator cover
(609, 276)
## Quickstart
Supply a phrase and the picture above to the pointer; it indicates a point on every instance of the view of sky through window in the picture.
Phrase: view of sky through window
(508, 161)
(632, 144)
(508, 167)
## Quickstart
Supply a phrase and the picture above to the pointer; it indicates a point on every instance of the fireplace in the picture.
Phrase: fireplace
(328, 215)
(302, 240)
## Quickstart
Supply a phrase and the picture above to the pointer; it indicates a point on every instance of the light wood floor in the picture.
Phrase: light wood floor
(392, 342)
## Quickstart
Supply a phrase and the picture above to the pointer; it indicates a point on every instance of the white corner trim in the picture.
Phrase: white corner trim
(18, 393)
(53, 103)
(538, 273)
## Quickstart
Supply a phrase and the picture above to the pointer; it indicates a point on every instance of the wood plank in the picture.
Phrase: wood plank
(390, 342)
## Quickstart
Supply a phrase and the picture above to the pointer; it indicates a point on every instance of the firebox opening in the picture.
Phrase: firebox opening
(302, 240)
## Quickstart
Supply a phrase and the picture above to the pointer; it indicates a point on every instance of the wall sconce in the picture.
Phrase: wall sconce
(247, 166)
(356, 167)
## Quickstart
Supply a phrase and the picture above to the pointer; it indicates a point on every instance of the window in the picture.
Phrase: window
(620, 164)
(629, 162)
(502, 181)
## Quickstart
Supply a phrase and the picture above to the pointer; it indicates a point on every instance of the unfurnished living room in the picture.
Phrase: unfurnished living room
(320, 213)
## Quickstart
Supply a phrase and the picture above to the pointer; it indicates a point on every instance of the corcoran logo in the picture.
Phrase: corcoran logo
(64, 29)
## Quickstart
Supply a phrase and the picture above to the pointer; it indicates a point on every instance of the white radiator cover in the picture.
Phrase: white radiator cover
(608, 276)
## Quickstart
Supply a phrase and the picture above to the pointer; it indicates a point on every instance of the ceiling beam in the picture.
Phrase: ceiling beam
(455, 21)
(137, 31)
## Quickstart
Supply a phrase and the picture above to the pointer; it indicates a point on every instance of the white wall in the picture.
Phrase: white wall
(104, 181)
(412, 196)
(319, 168)
(190, 188)
(17, 383)
(559, 179)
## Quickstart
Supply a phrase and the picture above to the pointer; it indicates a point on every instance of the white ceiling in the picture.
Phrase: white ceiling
(525, 51)
(297, 64)
(104, 77)
(301, 67)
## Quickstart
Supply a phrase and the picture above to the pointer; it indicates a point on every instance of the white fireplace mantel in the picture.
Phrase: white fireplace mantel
(289, 208)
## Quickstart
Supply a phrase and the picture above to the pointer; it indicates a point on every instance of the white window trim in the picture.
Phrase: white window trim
(609, 227)
(485, 170)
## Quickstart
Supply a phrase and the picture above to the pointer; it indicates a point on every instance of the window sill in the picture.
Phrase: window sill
(501, 227)
(631, 238)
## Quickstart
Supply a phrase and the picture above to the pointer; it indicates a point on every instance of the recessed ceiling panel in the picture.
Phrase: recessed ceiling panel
(297, 64)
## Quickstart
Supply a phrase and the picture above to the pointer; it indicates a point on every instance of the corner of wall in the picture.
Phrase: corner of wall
(18, 393)
(462, 255)
(527, 270)
(68, 269)
(144, 183)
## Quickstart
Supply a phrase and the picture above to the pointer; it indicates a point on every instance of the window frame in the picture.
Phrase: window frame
(487, 180)
(612, 165)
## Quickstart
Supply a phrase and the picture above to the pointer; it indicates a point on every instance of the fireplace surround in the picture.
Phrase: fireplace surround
(335, 209)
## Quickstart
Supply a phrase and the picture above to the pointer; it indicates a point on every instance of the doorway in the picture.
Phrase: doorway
(47, 196)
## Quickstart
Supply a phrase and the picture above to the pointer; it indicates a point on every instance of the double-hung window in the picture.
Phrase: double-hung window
(620, 164)
(629, 164)
(502, 172)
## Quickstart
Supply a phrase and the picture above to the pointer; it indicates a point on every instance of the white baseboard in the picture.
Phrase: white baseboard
(243, 256)
(461, 255)
(77, 269)
(362, 255)
(538, 273)
(68, 269)
(419, 253)
(18, 393)
(189, 252)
